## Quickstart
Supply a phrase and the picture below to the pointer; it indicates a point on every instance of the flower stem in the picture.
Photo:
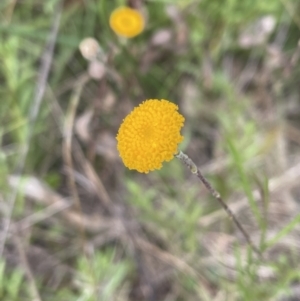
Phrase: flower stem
(195, 170)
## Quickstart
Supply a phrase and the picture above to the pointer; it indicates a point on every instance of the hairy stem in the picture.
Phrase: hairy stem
(195, 170)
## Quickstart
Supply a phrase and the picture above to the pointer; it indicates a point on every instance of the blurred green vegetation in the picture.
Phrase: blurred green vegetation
(167, 239)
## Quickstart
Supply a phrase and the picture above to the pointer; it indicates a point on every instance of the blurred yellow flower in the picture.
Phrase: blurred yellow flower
(149, 135)
(126, 22)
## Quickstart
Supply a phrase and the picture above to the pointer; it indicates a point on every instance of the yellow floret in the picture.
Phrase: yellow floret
(149, 135)
(126, 22)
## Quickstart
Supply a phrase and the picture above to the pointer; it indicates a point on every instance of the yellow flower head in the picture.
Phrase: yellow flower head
(126, 22)
(149, 135)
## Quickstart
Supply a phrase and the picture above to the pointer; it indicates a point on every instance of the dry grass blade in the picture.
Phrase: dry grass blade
(36, 190)
(35, 107)
(174, 261)
(68, 134)
(42, 215)
(82, 160)
(67, 144)
(94, 178)
(23, 258)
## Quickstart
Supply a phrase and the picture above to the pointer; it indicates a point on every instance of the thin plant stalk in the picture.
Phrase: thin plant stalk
(195, 170)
